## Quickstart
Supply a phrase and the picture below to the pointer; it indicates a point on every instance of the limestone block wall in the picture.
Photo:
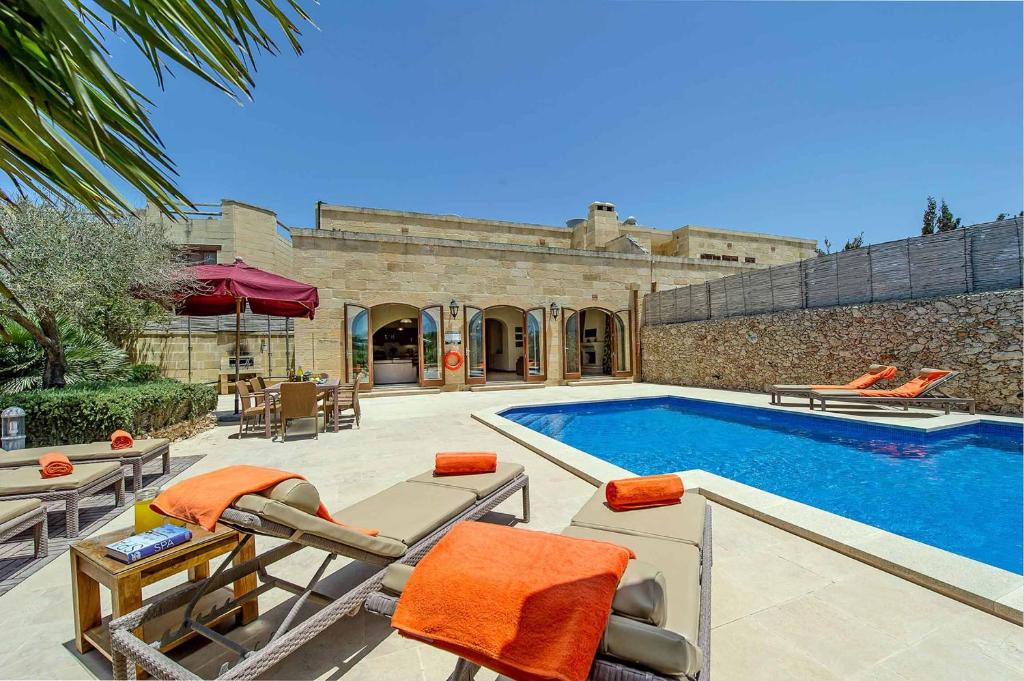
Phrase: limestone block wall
(211, 352)
(979, 335)
(403, 223)
(692, 241)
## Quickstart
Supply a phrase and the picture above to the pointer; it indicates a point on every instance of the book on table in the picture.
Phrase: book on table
(145, 544)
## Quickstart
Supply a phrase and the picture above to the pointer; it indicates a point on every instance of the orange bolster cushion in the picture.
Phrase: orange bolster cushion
(121, 439)
(465, 463)
(653, 490)
(54, 465)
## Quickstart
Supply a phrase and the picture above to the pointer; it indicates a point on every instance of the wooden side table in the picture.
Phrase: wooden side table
(91, 567)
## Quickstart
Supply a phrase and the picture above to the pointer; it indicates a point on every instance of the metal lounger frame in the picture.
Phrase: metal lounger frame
(604, 669)
(135, 460)
(129, 651)
(72, 497)
(35, 519)
(942, 400)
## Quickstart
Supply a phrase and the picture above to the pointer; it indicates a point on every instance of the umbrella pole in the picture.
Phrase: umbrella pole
(238, 345)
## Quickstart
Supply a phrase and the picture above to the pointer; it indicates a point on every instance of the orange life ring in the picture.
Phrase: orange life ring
(451, 365)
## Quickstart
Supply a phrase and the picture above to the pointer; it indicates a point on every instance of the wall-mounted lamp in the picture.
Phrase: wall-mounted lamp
(453, 307)
(554, 310)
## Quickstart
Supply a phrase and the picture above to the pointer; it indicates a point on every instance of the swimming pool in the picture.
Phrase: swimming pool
(958, 489)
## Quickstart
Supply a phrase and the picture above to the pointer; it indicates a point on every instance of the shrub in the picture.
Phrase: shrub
(141, 373)
(90, 357)
(92, 412)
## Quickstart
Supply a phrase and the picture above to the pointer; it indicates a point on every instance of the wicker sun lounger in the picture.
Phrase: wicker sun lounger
(671, 579)
(18, 516)
(18, 484)
(412, 516)
(135, 457)
(795, 390)
(931, 396)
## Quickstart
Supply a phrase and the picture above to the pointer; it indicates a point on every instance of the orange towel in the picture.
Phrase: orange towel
(911, 388)
(863, 381)
(121, 439)
(527, 604)
(465, 463)
(653, 490)
(54, 465)
(202, 499)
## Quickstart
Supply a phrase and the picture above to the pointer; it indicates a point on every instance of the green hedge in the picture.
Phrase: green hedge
(88, 413)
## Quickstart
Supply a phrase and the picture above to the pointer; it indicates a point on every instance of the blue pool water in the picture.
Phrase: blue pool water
(958, 489)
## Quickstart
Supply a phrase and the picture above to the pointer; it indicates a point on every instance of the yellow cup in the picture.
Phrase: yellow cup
(145, 517)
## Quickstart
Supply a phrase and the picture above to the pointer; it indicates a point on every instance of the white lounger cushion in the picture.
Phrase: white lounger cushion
(480, 484)
(408, 511)
(683, 522)
(92, 451)
(26, 480)
(9, 510)
(283, 514)
(660, 650)
(679, 564)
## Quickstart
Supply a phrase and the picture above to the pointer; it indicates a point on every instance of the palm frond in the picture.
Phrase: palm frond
(90, 358)
(58, 92)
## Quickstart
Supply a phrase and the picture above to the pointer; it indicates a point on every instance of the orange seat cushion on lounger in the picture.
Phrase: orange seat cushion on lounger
(529, 605)
(863, 381)
(121, 439)
(465, 463)
(54, 465)
(201, 500)
(653, 490)
(911, 388)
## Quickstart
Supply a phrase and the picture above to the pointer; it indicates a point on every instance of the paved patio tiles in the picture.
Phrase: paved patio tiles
(783, 607)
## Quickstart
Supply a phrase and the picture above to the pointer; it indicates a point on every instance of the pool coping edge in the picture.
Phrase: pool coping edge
(985, 587)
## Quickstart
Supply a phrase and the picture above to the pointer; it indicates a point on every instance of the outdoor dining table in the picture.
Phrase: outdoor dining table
(332, 385)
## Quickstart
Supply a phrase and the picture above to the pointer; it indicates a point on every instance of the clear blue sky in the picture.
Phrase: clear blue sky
(816, 120)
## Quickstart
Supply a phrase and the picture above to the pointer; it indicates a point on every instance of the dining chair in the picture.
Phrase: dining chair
(298, 401)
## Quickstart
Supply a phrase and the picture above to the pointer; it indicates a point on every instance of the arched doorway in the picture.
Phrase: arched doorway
(596, 342)
(394, 344)
(505, 343)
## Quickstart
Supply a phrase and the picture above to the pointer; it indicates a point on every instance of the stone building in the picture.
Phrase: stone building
(519, 302)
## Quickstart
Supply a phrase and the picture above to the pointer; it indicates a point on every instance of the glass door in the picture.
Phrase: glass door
(431, 341)
(536, 344)
(358, 346)
(622, 347)
(476, 350)
(570, 343)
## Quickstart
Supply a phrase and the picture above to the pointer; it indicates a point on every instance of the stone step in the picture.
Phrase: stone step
(491, 387)
(598, 381)
(398, 392)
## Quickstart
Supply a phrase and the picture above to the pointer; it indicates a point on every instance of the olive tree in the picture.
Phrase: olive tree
(58, 262)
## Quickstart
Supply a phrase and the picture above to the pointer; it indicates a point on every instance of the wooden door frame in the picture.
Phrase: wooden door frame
(423, 381)
(609, 314)
(483, 344)
(543, 376)
(628, 328)
(369, 345)
(571, 375)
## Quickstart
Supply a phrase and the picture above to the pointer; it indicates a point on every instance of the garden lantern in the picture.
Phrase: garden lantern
(12, 420)
(554, 310)
(453, 307)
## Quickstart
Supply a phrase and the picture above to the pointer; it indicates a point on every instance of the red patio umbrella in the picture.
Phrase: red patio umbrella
(232, 288)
